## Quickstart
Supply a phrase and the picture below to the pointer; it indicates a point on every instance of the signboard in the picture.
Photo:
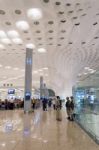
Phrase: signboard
(11, 91)
(27, 96)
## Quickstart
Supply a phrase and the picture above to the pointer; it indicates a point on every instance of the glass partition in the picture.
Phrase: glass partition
(86, 94)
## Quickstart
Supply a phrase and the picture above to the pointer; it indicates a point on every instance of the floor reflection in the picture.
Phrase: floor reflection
(40, 130)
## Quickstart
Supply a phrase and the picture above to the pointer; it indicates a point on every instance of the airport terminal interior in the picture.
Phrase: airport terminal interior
(49, 74)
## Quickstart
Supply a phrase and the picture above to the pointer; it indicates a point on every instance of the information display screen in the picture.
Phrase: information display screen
(27, 96)
(11, 91)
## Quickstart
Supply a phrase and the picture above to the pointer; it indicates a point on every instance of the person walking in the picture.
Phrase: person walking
(54, 102)
(58, 110)
(33, 104)
(44, 101)
(72, 108)
(68, 108)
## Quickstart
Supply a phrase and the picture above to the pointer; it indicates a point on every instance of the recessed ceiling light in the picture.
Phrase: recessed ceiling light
(0, 65)
(1, 46)
(16, 68)
(95, 23)
(13, 34)
(50, 31)
(36, 22)
(22, 25)
(8, 67)
(50, 43)
(83, 43)
(40, 70)
(6, 41)
(45, 68)
(8, 23)
(58, 3)
(77, 4)
(18, 12)
(38, 31)
(96, 37)
(63, 31)
(58, 44)
(34, 13)
(61, 38)
(30, 45)
(84, 14)
(86, 68)
(41, 50)
(61, 12)
(77, 24)
(50, 38)
(74, 17)
(2, 12)
(80, 9)
(85, 73)
(68, 4)
(93, 71)
(35, 72)
(17, 41)
(63, 21)
(2, 34)
(70, 43)
(70, 12)
(50, 22)
(46, 1)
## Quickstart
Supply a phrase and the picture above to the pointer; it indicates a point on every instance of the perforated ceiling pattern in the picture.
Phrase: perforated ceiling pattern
(68, 30)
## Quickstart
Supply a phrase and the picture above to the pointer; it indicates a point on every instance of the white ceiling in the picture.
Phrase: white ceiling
(68, 30)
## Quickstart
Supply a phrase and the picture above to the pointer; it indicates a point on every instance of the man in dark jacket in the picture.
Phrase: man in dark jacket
(72, 108)
(68, 107)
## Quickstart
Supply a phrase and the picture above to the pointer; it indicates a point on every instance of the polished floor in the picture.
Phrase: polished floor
(41, 131)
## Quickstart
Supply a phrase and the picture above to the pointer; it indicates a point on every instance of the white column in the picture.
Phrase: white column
(41, 87)
(28, 80)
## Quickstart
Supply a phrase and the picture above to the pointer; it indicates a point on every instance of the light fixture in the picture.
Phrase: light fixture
(8, 67)
(86, 68)
(41, 50)
(93, 71)
(2, 34)
(22, 25)
(40, 70)
(1, 46)
(45, 68)
(0, 65)
(90, 69)
(3, 144)
(85, 73)
(13, 34)
(17, 41)
(34, 13)
(35, 72)
(30, 45)
(6, 41)
(16, 68)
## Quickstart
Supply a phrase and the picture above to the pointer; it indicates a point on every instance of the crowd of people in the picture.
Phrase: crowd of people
(9, 104)
(55, 103)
